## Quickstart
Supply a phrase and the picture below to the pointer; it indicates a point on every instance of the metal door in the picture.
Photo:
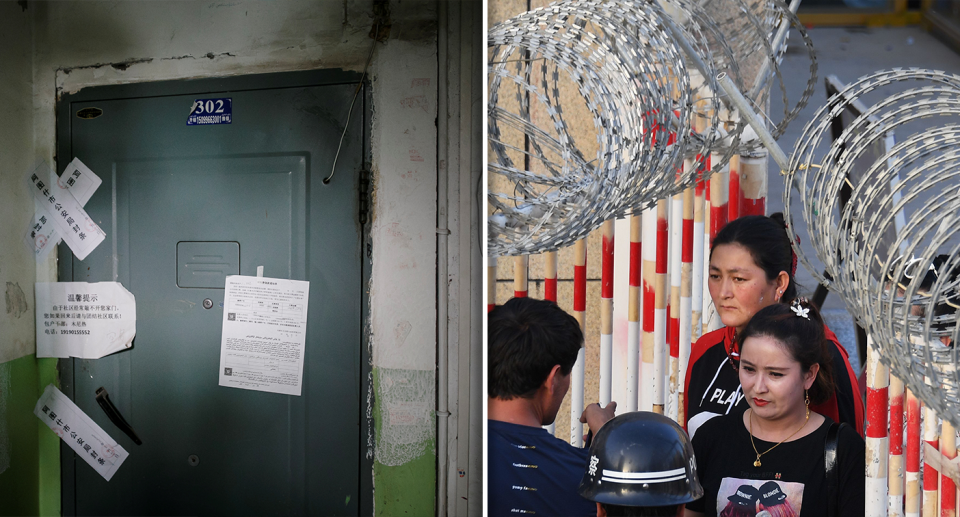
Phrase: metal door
(183, 206)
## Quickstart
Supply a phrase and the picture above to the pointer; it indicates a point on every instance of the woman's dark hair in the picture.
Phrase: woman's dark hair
(803, 338)
(526, 338)
(766, 240)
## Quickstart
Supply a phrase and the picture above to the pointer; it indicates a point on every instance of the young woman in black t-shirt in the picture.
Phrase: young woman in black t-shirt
(752, 266)
(771, 457)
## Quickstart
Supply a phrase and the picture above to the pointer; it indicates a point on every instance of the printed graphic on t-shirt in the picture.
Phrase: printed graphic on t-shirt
(753, 498)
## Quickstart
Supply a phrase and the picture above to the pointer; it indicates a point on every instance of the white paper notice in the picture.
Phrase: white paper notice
(85, 320)
(264, 332)
(81, 182)
(71, 221)
(80, 432)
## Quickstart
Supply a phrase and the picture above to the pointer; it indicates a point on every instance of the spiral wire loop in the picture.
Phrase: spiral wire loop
(616, 60)
(892, 253)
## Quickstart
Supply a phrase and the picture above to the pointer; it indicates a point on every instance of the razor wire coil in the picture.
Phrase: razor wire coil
(650, 111)
(891, 250)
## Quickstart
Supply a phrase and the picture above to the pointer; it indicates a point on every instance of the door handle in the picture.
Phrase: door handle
(103, 398)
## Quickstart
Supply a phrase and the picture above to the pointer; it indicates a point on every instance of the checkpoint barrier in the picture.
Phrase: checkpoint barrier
(662, 165)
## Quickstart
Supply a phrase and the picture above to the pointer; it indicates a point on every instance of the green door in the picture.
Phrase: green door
(183, 206)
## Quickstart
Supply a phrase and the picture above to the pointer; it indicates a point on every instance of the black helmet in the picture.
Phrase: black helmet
(641, 459)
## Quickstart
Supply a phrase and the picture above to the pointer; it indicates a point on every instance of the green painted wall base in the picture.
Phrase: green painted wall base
(20, 482)
(48, 445)
(31, 483)
(408, 489)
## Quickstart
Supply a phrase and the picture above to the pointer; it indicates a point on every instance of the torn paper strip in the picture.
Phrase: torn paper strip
(80, 432)
(264, 334)
(82, 319)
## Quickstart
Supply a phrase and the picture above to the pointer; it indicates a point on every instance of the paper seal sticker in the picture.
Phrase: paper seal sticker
(69, 218)
(85, 320)
(79, 180)
(80, 432)
(42, 235)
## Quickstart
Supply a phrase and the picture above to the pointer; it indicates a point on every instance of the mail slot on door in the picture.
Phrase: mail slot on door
(206, 264)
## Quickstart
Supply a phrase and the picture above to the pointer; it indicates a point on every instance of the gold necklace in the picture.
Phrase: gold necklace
(756, 463)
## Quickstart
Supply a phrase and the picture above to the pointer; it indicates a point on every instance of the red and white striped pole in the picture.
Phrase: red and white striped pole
(697, 286)
(673, 329)
(699, 299)
(491, 283)
(895, 472)
(580, 313)
(931, 478)
(606, 311)
(660, 310)
(733, 167)
(707, 311)
(948, 489)
(948, 448)
(733, 204)
(719, 198)
(649, 280)
(878, 378)
(912, 503)
(633, 316)
(686, 291)
(520, 266)
(550, 276)
(752, 196)
(580, 283)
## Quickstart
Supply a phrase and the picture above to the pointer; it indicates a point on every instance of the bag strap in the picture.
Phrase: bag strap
(830, 466)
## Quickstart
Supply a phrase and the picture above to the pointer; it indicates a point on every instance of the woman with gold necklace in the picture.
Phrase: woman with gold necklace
(771, 458)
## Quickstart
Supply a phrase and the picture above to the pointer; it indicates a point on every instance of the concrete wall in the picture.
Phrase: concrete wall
(19, 429)
(403, 282)
(17, 268)
(81, 44)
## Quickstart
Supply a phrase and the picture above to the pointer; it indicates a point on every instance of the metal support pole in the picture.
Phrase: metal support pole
(775, 44)
(733, 95)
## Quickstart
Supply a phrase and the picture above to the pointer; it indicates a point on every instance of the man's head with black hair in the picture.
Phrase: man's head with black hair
(530, 342)
(527, 337)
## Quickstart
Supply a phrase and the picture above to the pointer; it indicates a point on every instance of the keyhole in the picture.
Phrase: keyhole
(207, 303)
(193, 460)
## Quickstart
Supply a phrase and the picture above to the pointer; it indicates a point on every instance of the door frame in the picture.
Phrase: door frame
(64, 154)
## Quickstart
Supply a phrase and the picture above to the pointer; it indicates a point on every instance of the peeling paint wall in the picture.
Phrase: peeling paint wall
(91, 43)
(403, 280)
(19, 451)
(16, 206)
